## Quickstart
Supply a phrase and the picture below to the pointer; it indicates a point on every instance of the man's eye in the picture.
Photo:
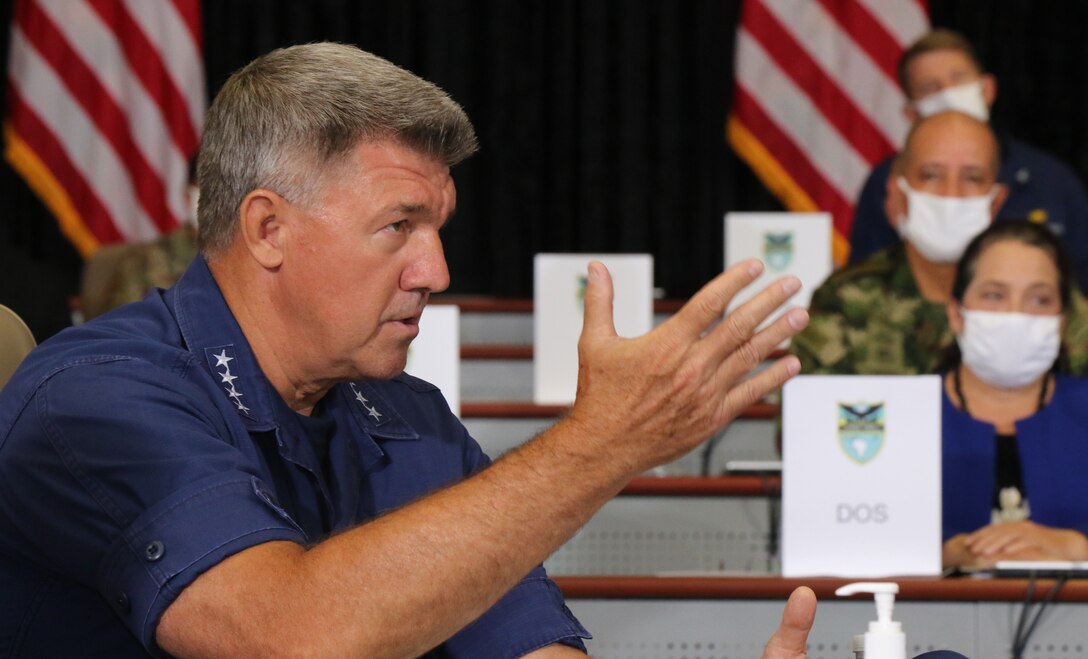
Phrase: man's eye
(398, 227)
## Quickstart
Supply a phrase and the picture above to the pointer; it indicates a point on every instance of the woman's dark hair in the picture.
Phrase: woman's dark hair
(1024, 232)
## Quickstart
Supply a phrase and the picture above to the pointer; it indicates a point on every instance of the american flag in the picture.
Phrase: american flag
(105, 106)
(816, 102)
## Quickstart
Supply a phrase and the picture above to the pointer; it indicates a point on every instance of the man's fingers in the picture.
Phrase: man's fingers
(740, 325)
(792, 636)
(786, 326)
(708, 305)
(751, 354)
(597, 320)
(747, 392)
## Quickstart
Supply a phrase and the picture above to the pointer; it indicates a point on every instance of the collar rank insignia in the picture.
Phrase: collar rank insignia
(371, 410)
(220, 362)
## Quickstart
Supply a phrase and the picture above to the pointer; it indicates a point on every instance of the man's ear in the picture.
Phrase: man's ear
(1001, 193)
(989, 89)
(261, 225)
(895, 202)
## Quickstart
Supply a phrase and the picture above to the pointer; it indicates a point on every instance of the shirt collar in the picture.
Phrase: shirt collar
(211, 332)
(374, 412)
(214, 336)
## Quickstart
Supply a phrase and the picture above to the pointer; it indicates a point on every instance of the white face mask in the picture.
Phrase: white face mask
(1006, 349)
(966, 98)
(940, 227)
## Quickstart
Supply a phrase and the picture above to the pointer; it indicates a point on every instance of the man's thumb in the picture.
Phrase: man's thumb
(597, 319)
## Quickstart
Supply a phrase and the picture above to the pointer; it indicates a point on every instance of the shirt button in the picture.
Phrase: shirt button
(120, 600)
(154, 551)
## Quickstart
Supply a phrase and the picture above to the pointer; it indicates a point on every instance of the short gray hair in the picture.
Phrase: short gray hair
(282, 121)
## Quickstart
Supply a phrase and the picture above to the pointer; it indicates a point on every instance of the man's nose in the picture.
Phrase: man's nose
(946, 187)
(428, 270)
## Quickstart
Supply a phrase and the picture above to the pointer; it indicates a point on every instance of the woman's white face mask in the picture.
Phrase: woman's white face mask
(1009, 349)
(966, 98)
(941, 227)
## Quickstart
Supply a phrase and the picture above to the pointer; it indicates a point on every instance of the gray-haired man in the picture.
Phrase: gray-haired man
(238, 467)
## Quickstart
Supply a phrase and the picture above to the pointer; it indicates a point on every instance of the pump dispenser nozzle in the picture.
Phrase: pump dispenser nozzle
(885, 638)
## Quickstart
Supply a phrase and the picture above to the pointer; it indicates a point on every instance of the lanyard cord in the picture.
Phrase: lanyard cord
(957, 386)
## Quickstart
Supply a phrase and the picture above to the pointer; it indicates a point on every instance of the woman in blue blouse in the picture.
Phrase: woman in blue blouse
(1015, 434)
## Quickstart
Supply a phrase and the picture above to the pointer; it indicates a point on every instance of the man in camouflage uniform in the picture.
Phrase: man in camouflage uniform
(886, 315)
(123, 273)
(871, 319)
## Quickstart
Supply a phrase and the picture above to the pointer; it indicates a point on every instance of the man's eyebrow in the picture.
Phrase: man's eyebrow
(420, 209)
(411, 209)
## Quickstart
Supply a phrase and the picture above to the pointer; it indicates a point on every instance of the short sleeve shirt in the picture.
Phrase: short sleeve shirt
(143, 448)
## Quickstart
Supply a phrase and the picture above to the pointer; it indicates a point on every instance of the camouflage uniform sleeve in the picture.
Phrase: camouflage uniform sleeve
(126, 273)
(822, 346)
(1075, 335)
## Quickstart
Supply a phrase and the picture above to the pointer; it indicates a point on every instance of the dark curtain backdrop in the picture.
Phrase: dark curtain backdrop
(601, 123)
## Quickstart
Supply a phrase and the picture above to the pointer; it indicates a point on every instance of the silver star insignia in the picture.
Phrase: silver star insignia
(373, 411)
(228, 378)
(221, 359)
(358, 394)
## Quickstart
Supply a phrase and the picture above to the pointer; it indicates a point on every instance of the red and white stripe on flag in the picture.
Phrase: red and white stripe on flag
(816, 102)
(105, 106)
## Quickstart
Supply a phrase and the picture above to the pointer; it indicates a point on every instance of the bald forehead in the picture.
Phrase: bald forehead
(955, 128)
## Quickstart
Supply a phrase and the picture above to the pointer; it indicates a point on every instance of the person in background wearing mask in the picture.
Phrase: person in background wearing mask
(1015, 434)
(886, 315)
(941, 72)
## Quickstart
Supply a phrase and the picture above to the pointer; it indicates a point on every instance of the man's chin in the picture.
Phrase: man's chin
(383, 369)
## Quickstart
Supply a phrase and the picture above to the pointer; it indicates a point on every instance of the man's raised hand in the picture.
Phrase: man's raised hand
(663, 393)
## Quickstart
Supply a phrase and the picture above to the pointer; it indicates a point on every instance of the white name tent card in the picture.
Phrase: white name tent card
(861, 479)
(435, 354)
(559, 285)
(787, 243)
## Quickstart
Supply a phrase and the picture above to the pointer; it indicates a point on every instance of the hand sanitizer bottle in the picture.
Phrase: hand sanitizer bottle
(885, 638)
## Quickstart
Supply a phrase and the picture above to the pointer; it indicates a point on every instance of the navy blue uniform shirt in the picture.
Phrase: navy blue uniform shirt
(143, 448)
(1041, 188)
